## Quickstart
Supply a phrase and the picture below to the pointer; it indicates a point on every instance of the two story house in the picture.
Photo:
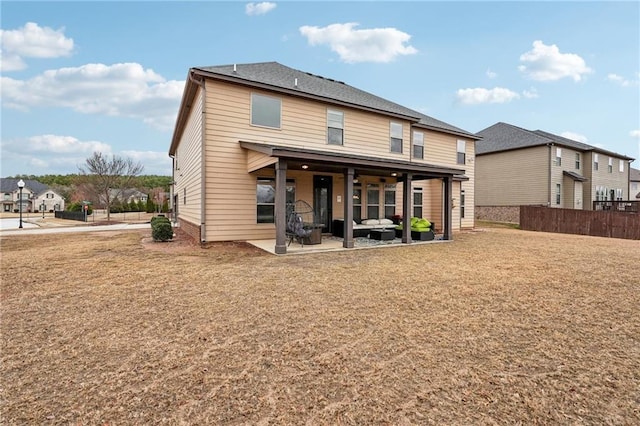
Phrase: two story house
(250, 138)
(36, 196)
(515, 166)
(634, 184)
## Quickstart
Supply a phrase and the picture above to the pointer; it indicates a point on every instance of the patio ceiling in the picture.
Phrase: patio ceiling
(332, 162)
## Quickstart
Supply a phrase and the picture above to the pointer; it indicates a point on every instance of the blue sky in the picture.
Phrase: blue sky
(79, 77)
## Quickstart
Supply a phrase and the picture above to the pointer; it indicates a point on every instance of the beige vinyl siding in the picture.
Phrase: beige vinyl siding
(231, 191)
(601, 177)
(513, 178)
(304, 124)
(257, 160)
(188, 156)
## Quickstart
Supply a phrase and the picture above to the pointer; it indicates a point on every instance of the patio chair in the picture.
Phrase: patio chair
(296, 229)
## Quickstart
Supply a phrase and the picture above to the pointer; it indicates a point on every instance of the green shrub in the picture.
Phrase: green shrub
(161, 230)
(159, 219)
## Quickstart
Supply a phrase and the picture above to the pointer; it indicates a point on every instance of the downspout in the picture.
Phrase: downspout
(173, 188)
(203, 174)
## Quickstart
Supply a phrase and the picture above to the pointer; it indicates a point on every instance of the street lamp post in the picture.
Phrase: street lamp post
(20, 185)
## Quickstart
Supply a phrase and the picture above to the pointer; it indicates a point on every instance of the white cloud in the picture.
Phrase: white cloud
(252, 9)
(32, 41)
(635, 134)
(354, 45)
(491, 74)
(574, 136)
(55, 144)
(546, 63)
(125, 90)
(623, 81)
(479, 95)
(532, 93)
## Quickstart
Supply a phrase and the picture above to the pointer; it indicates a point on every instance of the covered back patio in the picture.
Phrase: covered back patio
(285, 158)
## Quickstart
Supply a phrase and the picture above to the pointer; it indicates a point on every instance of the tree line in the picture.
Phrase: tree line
(104, 182)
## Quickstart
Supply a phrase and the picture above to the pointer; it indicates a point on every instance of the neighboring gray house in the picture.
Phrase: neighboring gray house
(515, 166)
(35, 196)
(634, 184)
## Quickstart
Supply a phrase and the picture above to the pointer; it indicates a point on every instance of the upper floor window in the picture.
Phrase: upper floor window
(621, 166)
(462, 149)
(396, 137)
(577, 160)
(595, 162)
(7, 195)
(335, 127)
(610, 167)
(418, 145)
(558, 156)
(265, 111)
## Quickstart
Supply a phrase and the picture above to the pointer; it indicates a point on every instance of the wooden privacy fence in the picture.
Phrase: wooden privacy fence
(604, 223)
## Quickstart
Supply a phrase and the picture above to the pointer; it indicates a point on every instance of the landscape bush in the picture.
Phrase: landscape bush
(161, 229)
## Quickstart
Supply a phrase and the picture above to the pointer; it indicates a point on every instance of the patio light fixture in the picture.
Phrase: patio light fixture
(305, 166)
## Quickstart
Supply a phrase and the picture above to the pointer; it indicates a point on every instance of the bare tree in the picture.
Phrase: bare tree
(107, 178)
(159, 198)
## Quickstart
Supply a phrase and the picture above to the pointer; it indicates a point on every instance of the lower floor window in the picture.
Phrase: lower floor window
(266, 198)
(462, 201)
(558, 191)
(417, 202)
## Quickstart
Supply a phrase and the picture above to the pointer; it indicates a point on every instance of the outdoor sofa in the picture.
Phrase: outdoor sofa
(421, 229)
(361, 229)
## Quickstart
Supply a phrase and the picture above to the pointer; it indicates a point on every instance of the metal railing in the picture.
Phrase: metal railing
(618, 206)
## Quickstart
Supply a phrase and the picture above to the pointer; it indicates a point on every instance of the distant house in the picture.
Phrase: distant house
(250, 138)
(634, 184)
(515, 166)
(35, 196)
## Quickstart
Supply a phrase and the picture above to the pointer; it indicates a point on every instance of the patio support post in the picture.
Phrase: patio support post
(348, 208)
(407, 207)
(448, 204)
(281, 207)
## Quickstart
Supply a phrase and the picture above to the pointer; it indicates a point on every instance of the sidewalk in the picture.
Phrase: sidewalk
(55, 229)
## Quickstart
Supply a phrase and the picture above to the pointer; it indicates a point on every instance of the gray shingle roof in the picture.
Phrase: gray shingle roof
(634, 174)
(506, 137)
(11, 184)
(280, 77)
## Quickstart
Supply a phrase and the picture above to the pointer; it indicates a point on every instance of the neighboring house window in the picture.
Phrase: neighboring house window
(396, 138)
(621, 166)
(265, 111)
(417, 202)
(610, 167)
(619, 194)
(577, 160)
(357, 202)
(462, 202)
(266, 198)
(389, 200)
(462, 149)
(373, 201)
(558, 156)
(558, 191)
(7, 196)
(335, 127)
(418, 145)
(595, 162)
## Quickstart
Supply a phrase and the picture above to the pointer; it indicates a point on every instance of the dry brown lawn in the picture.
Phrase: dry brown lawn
(499, 327)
